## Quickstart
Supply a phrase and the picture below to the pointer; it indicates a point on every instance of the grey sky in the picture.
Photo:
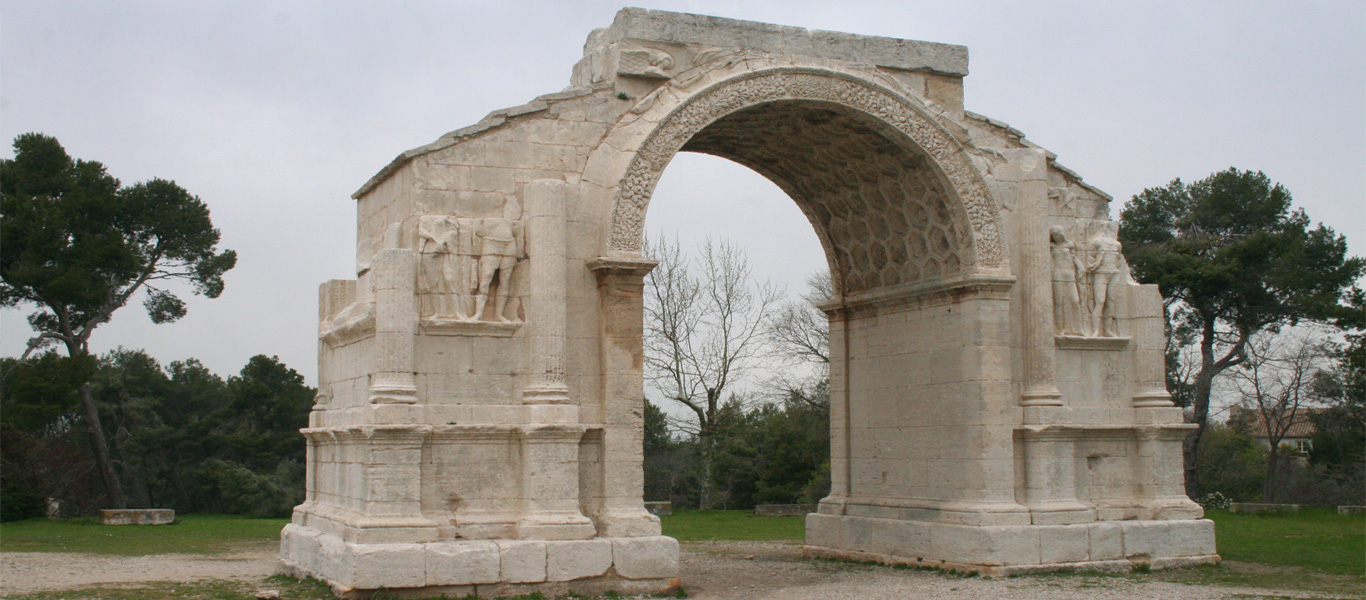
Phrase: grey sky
(275, 112)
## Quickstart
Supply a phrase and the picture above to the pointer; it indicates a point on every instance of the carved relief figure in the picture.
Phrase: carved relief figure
(1103, 266)
(648, 63)
(1065, 201)
(438, 267)
(501, 244)
(1067, 318)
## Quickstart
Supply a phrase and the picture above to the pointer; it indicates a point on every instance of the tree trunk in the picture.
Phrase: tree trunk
(1272, 462)
(92, 422)
(1200, 407)
(707, 442)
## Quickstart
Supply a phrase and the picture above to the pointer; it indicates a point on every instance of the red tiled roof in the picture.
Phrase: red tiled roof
(1302, 426)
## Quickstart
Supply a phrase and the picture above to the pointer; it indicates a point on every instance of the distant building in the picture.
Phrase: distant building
(1299, 436)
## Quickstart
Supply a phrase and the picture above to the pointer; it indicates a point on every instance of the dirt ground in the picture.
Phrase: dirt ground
(710, 571)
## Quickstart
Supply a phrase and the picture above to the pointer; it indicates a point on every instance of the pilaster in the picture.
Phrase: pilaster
(621, 284)
(1050, 475)
(395, 276)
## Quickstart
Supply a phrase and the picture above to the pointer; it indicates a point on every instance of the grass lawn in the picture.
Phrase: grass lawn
(193, 534)
(698, 525)
(1317, 539)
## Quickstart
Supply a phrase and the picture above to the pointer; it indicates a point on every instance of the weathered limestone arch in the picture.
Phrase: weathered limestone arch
(997, 382)
(920, 135)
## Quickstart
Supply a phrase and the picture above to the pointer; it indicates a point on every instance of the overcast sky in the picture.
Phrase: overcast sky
(275, 112)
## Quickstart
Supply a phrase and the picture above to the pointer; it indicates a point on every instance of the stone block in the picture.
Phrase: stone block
(1167, 539)
(645, 557)
(299, 545)
(575, 559)
(1257, 507)
(823, 530)
(1105, 541)
(910, 539)
(137, 516)
(985, 545)
(522, 561)
(1064, 543)
(388, 566)
(463, 563)
(335, 561)
(784, 510)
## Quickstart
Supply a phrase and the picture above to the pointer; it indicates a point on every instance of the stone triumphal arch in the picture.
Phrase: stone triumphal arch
(997, 389)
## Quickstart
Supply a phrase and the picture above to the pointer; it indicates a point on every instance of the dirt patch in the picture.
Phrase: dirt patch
(23, 572)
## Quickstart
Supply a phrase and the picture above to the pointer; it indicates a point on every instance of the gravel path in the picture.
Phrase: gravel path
(22, 572)
(711, 571)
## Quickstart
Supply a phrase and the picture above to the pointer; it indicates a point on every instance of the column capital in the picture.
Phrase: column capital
(615, 266)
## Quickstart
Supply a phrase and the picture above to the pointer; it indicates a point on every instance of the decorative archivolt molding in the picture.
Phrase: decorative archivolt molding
(987, 247)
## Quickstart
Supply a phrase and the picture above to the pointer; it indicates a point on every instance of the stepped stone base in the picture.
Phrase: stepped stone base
(483, 568)
(1000, 551)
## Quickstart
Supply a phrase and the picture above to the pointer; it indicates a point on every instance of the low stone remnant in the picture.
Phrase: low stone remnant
(997, 383)
(137, 516)
(784, 510)
(660, 509)
(1349, 510)
(1249, 508)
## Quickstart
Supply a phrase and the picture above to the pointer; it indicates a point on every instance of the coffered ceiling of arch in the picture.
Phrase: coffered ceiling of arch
(893, 196)
(878, 207)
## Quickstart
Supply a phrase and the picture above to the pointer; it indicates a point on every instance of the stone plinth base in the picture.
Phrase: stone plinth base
(998, 551)
(484, 568)
(137, 516)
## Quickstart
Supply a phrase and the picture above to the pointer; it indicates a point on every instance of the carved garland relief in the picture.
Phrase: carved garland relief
(986, 248)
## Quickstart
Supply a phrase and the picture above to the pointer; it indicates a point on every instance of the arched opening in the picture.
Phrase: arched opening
(742, 422)
(919, 405)
(878, 207)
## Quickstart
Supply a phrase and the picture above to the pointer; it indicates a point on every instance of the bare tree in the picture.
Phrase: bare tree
(702, 333)
(800, 333)
(1276, 380)
(800, 329)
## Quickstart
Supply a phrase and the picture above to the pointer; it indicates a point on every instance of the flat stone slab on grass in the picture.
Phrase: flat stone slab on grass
(784, 510)
(1258, 507)
(137, 516)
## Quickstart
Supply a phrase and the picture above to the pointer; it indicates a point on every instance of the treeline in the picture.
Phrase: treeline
(1235, 465)
(773, 453)
(179, 436)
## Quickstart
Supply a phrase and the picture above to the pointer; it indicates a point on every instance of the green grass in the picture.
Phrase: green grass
(1315, 539)
(1314, 550)
(192, 534)
(699, 525)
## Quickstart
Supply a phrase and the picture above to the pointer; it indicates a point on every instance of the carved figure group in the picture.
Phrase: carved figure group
(464, 257)
(1084, 282)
